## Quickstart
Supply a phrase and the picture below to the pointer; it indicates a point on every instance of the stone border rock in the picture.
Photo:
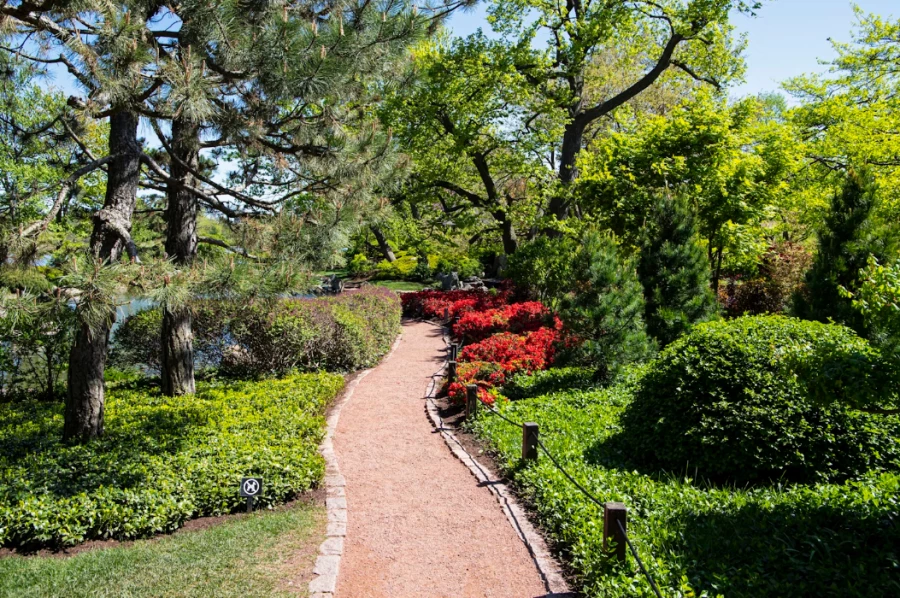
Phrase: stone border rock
(328, 563)
(547, 567)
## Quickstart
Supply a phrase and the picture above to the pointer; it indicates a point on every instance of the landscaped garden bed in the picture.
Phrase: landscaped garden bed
(162, 461)
(740, 476)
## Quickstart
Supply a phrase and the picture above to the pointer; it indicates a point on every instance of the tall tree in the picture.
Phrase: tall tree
(468, 121)
(674, 272)
(693, 36)
(846, 241)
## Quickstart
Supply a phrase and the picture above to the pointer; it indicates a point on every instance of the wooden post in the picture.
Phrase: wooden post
(451, 372)
(446, 314)
(454, 351)
(471, 400)
(613, 512)
(529, 441)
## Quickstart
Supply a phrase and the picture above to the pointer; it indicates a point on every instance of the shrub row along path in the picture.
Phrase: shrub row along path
(418, 523)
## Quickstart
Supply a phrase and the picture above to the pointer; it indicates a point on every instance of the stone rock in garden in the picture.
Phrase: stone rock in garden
(337, 285)
(449, 282)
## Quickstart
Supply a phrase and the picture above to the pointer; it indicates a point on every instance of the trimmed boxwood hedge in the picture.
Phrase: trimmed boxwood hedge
(824, 540)
(162, 461)
(731, 402)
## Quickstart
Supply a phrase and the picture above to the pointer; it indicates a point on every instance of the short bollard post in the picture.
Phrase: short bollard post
(451, 372)
(529, 441)
(471, 400)
(613, 513)
(446, 314)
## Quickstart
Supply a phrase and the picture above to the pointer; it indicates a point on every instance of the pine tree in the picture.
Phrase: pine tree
(606, 310)
(674, 272)
(845, 243)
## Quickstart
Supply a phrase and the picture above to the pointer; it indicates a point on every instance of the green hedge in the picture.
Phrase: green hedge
(733, 401)
(525, 385)
(819, 540)
(162, 461)
(343, 333)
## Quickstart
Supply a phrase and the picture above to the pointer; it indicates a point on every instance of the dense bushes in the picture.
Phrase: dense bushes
(674, 271)
(431, 304)
(162, 461)
(832, 540)
(475, 326)
(342, 333)
(726, 400)
(606, 309)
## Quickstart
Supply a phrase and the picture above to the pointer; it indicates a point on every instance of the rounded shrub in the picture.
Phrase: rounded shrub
(729, 401)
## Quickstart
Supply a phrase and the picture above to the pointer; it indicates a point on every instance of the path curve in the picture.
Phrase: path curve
(418, 524)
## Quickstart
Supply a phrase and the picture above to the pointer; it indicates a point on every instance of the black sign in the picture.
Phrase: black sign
(251, 487)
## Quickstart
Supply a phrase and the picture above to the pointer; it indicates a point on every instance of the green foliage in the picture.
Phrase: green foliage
(263, 338)
(733, 401)
(543, 268)
(460, 263)
(162, 460)
(606, 309)
(359, 265)
(730, 161)
(851, 111)
(244, 556)
(36, 333)
(845, 244)
(878, 299)
(401, 268)
(674, 273)
(526, 385)
(829, 540)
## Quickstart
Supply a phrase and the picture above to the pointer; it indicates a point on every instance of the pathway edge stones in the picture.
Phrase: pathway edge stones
(547, 567)
(328, 561)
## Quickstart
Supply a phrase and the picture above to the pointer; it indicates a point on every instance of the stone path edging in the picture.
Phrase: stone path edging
(328, 562)
(547, 566)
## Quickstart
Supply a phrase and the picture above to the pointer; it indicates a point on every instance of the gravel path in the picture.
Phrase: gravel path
(418, 524)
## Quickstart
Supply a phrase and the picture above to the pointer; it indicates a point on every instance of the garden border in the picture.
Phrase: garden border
(548, 568)
(328, 561)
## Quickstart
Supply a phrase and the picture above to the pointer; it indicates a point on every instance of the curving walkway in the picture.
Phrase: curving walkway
(418, 524)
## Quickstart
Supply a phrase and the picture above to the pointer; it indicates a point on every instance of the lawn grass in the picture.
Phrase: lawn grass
(399, 285)
(256, 555)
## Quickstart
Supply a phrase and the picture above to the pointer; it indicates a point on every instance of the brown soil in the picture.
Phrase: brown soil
(419, 524)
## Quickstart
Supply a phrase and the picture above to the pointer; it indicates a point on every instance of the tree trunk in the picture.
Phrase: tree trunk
(383, 244)
(510, 242)
(181, 246)
(571, 147)
(87, 359)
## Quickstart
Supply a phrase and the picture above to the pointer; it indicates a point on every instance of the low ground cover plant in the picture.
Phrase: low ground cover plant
(342, 333)
(162, 461)
(696, 539)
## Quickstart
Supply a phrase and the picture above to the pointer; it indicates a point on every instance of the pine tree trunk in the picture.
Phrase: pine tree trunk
(87, 359)
(181, 247)
(383, 244)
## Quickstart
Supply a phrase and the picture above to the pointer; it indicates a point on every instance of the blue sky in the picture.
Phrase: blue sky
(787, 38)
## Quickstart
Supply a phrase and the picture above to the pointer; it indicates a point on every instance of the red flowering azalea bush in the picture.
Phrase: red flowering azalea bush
(516, 317)
(488, 363)
(431, 304)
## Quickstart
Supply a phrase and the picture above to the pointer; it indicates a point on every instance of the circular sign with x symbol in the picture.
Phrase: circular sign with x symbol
(250, 487)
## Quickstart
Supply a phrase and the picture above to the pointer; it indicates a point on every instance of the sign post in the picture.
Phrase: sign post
(250, 489)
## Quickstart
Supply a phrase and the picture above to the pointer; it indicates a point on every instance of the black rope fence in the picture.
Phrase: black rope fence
(618, 521)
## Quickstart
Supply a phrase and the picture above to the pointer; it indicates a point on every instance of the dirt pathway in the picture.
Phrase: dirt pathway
(418, 524)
